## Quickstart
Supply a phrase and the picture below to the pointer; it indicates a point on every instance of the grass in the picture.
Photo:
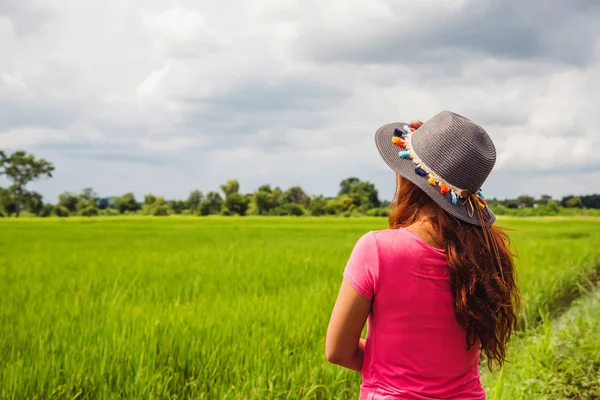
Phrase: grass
(560, 361)
(213, 308)
(558, 261)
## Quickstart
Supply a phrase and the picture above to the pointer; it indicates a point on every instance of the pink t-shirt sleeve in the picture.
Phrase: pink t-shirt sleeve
(362, 269)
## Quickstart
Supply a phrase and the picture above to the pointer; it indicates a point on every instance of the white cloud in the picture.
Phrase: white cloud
(179, 32)
(30, 137)
(289, 92)
(153, 80)
(175, 24)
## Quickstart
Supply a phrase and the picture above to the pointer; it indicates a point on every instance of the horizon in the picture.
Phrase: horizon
(140, 197)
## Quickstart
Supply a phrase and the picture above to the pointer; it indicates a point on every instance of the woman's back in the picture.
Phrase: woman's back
(415, 348)
(430, 312)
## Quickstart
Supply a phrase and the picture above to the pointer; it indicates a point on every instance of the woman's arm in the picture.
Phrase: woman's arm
(344, 346)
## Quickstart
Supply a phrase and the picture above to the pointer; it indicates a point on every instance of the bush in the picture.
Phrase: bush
(333, 207)
(501, 210)
(161, 210)
(294, 209)
(225, 212)
(109, 212)
(317, 206)
(89, 211)
(378, 212)
(317, 212)
(237, 204)
(204, 208)
(543, 211)
(47, 210)
(146, 210)
(553, 206)
(277, 211)
(61, 211)
(574, 202)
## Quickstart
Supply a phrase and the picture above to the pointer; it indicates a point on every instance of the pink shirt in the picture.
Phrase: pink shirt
(414, 349)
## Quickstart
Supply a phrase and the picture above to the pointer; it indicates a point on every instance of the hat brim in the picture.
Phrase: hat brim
(406, 168)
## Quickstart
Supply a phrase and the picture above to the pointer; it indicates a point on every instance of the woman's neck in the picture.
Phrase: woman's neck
(425, 229)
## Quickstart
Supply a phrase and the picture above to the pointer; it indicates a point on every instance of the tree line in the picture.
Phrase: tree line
(355, 197)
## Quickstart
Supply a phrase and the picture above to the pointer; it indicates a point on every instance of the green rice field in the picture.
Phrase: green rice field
(237, 308)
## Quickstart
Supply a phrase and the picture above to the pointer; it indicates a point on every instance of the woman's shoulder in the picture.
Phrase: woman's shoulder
(388, 234)
(399, 239)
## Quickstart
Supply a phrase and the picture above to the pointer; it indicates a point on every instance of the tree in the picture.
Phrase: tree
(236, 203)
(232, 186)
(364, 195)
(574, 202)
(318, 206)
(105, 202)
(149, 199)
(277, 196)
(87, 203)
(21, 168)
(160, 207)
(212, 204)
(263, 202)
(194, 200)
(333, 207)
(128, 203)
(155, 205)
(263, 199)
(7, 202)
(591, 201)
(525, 201)
(61, 211)
(47, 210)
(511, 203)
(553, 206)
(178, 206)
(295, 195)
(33, 203)
(293, 209)
(88, 197)
(346, 184)
(70, 201)
(89, 211)
(347, 203)
(543, 200)
(148, 205)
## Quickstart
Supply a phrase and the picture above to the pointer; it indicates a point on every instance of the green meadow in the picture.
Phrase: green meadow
(237, 308)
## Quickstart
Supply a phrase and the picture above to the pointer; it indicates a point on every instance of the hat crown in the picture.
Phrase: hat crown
(456, 149)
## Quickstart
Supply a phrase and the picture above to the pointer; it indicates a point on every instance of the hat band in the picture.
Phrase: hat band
(403, 140)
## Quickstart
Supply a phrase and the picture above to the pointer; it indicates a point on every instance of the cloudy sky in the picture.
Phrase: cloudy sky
(168, 96)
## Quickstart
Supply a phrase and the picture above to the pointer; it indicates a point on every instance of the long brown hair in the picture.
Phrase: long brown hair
(482, 273)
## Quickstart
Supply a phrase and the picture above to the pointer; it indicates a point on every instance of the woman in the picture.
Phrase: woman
(438, 287)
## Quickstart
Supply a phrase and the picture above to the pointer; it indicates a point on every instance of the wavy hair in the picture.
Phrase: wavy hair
(482, 272)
